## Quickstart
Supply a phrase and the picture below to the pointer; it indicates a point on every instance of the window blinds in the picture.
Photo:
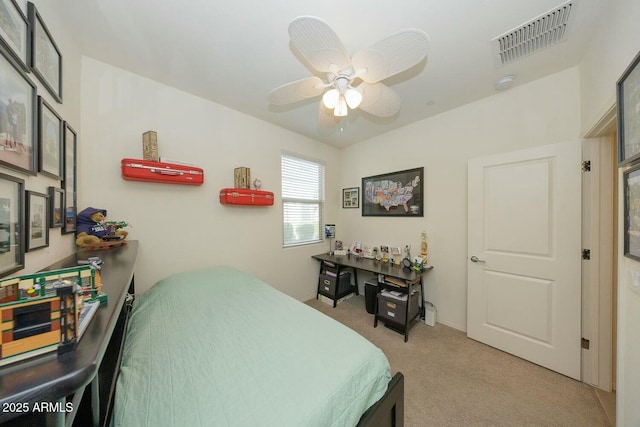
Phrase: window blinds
(302, 200)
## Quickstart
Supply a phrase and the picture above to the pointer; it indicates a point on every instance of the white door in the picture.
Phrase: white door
(524, 260)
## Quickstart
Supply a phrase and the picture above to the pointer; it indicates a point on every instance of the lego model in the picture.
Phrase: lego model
(40, 312)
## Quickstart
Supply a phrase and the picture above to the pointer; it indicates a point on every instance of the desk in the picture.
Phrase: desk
(54, 379)
(410, 277)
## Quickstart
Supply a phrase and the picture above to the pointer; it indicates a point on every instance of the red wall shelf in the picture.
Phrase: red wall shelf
(245, 196)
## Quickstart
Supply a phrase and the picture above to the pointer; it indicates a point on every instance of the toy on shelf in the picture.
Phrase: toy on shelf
(96, 265)
(42, 312)
(150, 145)
(242, 194)
(419, 262)
(93, 232)
(242, 177)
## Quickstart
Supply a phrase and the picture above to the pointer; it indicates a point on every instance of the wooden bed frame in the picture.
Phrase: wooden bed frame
(389, 410)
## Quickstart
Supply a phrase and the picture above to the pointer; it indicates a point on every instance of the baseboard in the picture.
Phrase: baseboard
(607, 401)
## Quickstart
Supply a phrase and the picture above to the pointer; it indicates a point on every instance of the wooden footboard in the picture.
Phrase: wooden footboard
(389, 410)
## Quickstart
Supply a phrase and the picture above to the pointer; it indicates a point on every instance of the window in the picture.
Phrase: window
(302, 201)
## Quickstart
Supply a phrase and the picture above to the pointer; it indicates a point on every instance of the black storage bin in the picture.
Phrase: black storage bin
(370, 295)
(328, 285)
(395, 310)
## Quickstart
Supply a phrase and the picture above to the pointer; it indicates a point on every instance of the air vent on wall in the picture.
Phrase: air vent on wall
(533, 36)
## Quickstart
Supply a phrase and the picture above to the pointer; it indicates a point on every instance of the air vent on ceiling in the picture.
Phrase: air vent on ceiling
(533, 36)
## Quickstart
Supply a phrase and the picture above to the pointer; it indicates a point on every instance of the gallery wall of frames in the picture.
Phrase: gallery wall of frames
(628, 102)
(34, 138)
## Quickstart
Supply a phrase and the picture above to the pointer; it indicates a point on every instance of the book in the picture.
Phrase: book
(394, 281)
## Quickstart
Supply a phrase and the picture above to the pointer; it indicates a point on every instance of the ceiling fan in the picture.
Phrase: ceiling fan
(350, 82)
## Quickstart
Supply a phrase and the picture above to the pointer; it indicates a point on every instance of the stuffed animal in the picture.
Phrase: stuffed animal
(92, 228)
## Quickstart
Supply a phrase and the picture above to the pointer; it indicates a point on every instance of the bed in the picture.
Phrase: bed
(219, 347)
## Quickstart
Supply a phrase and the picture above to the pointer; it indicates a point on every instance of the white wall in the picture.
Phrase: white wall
(183, 227)
(542, 112)
(614, 46)
(615, 43)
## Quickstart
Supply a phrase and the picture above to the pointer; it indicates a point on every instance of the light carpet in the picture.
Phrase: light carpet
(451, 380)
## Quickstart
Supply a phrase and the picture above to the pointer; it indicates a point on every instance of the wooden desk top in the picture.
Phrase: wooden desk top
(373, 266)
(50, 377)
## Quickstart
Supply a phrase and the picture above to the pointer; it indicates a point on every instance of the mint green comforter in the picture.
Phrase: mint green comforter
(218, 347)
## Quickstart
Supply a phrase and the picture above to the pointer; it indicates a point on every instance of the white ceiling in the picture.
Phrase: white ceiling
(234, 52)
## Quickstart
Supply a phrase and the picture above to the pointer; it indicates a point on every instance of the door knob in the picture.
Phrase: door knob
(476, 259)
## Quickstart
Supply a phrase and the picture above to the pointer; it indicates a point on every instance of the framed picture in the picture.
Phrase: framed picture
(17, 128)
(46, 59)
(14, 32)
(69, 181)
(628, 99)
(50, 127)
(351, 197)
(631, 182)
(37, 218)
(56, 207)
(11, 224)
(394, 194)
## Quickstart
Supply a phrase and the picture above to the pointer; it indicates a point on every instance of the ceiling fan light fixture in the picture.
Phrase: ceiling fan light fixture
(330, 98)
(316, 42)
(353, 98)
(341, 109)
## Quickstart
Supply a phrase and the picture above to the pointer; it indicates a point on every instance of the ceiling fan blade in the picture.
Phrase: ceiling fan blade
(392, 55)
(379, 99)
(319, 44)
(297, 91)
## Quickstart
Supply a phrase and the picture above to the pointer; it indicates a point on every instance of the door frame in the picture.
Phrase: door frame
(599, 235)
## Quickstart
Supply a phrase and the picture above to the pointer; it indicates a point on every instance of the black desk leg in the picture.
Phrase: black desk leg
(355, 277)
(375, 312)
(406, 314)
(336, 287)
(319, 281)
(422, 308)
